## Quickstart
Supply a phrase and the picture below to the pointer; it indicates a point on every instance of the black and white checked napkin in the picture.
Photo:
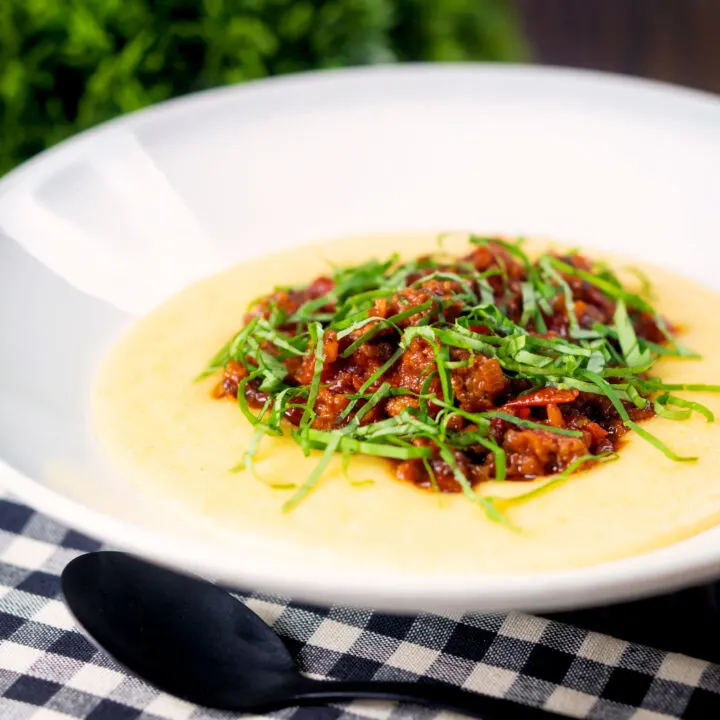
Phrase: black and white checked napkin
(48, 671)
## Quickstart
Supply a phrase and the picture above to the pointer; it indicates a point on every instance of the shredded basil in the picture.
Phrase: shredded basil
(457, 312)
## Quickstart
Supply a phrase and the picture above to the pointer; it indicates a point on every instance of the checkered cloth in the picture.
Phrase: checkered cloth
(48, 671)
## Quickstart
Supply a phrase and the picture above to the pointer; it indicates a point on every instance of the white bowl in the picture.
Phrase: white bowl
(108, 224)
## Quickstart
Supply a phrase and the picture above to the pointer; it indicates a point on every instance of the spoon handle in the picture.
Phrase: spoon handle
(437, 695)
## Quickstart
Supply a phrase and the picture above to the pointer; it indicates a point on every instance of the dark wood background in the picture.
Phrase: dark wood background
(673, 40)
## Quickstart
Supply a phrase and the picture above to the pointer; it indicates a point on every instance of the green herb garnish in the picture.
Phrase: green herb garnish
(457, 368)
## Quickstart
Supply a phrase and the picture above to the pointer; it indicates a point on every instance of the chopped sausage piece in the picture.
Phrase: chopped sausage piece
(478, 385)
(397, 404)
(531, 453)
(233, 375)
(415, 367)
(328, 407)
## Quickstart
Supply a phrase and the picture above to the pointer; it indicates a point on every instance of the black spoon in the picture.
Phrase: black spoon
(194, 640)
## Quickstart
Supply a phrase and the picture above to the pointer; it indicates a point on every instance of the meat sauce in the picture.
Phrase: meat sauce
(478, 382)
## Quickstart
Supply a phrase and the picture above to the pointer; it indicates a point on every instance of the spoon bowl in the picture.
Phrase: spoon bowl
(183, 635)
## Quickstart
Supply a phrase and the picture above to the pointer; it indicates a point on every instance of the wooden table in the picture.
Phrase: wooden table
(673, 40)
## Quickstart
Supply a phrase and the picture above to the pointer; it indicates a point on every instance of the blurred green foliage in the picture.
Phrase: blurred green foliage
(66, 65)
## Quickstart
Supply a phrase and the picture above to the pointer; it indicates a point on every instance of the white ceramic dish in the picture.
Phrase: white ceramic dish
(107, 225)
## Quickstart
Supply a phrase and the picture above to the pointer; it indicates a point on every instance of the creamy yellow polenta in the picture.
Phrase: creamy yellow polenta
(164, 431)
